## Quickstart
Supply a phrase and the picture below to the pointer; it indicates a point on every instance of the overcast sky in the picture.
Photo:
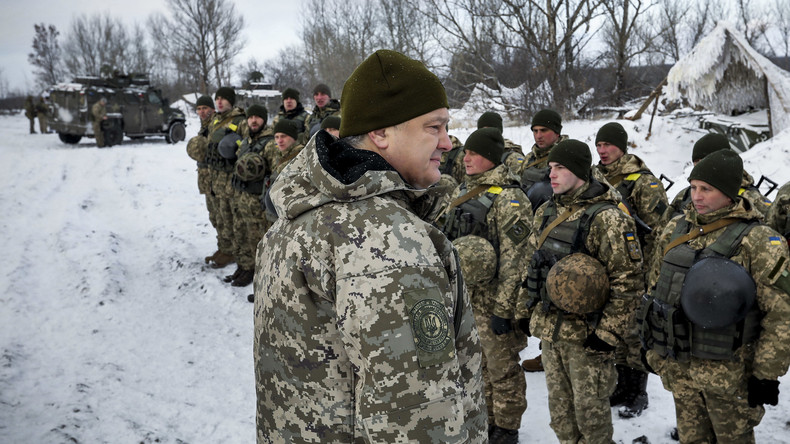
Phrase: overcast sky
(270, 25)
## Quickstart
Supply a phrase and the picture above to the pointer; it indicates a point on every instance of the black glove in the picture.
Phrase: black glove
(500, 326)
(523, 324)
(763, 391)
(593, 342)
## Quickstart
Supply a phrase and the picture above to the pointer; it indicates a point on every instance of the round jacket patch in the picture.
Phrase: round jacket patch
(430, 326)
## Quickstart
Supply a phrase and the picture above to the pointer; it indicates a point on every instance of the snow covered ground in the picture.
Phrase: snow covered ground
(113, 331)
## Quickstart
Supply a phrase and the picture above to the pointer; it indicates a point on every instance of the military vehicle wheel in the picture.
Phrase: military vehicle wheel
(176, 133)
(69, 138)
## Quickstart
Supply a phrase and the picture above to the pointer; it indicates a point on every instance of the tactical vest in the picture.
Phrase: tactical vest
(533, 174)
(663, 325)
(213, 158)
(449, 164)
(565, 239)
(253, 186)
(203, 132)
(470, 217)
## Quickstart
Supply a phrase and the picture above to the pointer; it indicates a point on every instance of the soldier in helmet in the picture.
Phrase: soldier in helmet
(707, 144)
(325, 106)
(292, 109)
(779, 215)
(99, 115)
(578, 344)
(197, 148)
(363, 329)
(248, 182)
(30, 113)
(718, 341)
(491, 205)
(224, 132)
(645, 198)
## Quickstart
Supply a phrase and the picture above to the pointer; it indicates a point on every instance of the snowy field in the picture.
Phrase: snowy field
(113, 331)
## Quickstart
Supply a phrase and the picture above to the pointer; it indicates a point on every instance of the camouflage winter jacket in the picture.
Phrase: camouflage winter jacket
(682, 200)
(312, 123)
(765, 257)
(610, 240)
(642, 191)
(537, 157)
(298, 115)
(779, 215)
(363, 328)
(508, 223)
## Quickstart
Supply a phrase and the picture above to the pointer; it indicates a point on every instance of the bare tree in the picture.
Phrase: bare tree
(285, 70)
(202, 39)
(95, 46)
(781, 28)
(751, 21)
(46, 55)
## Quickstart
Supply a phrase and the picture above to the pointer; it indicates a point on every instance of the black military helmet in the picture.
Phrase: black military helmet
(717, 293)
(539, 193)
(578, 283)
(228, 145)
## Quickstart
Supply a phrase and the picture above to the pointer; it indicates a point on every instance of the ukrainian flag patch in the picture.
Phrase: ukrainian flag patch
(775, 240)
(514, 203)
(653, 184)
(630, 237)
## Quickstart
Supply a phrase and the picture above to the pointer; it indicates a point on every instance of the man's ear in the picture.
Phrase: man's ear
(379, 138)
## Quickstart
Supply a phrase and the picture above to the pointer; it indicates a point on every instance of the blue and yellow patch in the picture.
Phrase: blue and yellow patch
(775, 240)
(514, 203)
(630, 237)
(653, 184)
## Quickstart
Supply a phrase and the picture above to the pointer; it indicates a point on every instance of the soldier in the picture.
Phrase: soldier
(581, 228)
(325, 106)
(224, 131)
(332, 125)
(30, 113)
(453, 162)
(42, 111)
(534, 173)
(715, 323)
(363, 329)
(490, 204)
(292, 109)
(99, 115)
(249, 223)
(779, 215)
(278, 153)
(197, 148)
(707, 144)
(490, 119)
(644, 196)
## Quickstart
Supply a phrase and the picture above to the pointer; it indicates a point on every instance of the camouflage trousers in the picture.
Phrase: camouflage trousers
(505, 384)
(579, 382)
(32, 124)
(711, 399)
(222, 194)
(98, 134)
(42, 124)
(249, 226)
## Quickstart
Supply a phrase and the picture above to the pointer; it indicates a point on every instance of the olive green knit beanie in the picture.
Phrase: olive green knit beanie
(707, 144)
(290, 93)
(487, 142)
(204, 101)
(722, 170)
(226, 93)
(332, 122)
(286, 126)
(490, 119)
(322, 88)
(258, 110)
(615, 134)
(549, 118)
(387, 89)
(573, 155)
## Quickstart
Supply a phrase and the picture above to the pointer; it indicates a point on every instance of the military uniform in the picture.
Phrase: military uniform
(98, 113)
(30, 113)
(312, 123)
(711, 393)
(501, 214)
(221, 173)
(532, 168)
(197, 148)
(748, 190)
(42, 111)
(580, 379)
(453, 161)
(298, 115)
(363, 328)
(779, 215)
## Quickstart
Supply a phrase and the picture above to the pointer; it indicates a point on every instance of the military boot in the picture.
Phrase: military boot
(243, 279)
(637, 400)
(221, 260)
(231, 277)
(533, 365)
(503, 436)
(619, 396)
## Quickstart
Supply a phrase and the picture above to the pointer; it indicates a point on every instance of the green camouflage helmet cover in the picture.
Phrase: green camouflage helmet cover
(578, 283)
(197, 148)
(251, 166)
(478, 259)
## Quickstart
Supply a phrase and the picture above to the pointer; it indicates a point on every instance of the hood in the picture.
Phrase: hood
(628, 164)
(329, 170)
(499, 175)
(589, 193)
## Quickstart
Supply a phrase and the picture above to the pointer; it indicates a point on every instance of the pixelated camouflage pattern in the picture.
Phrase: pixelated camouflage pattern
(277, 159)
(648, 198)
(478, 259)
(197, 148)
(518, 163)
(579, 382)
(457, 169)
(339, 280)
(505, 384)
(764, 258)
(251, 164)
(511, 211)
(779, 215)
(298, 115)
(317, 117)
(578, 284)
(750, 191)
(605, 242)
(429, 204)
(222, 191)
(249, 226)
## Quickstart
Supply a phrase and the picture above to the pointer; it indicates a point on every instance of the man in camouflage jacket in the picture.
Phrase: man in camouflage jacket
(197, 148)
(363, 328)
(578, 349)
(491, 205)
(325, 106)
(30, 113)
(292, 109)
(719, 397)
(779, 215)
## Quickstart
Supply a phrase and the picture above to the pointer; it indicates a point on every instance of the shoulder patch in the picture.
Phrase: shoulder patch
(495, 190)
(775, 240)
(623, 208)
(514, 203)
(653, 184)
(633, 176)
(430, 325)
(518, 232)
(632, 245)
